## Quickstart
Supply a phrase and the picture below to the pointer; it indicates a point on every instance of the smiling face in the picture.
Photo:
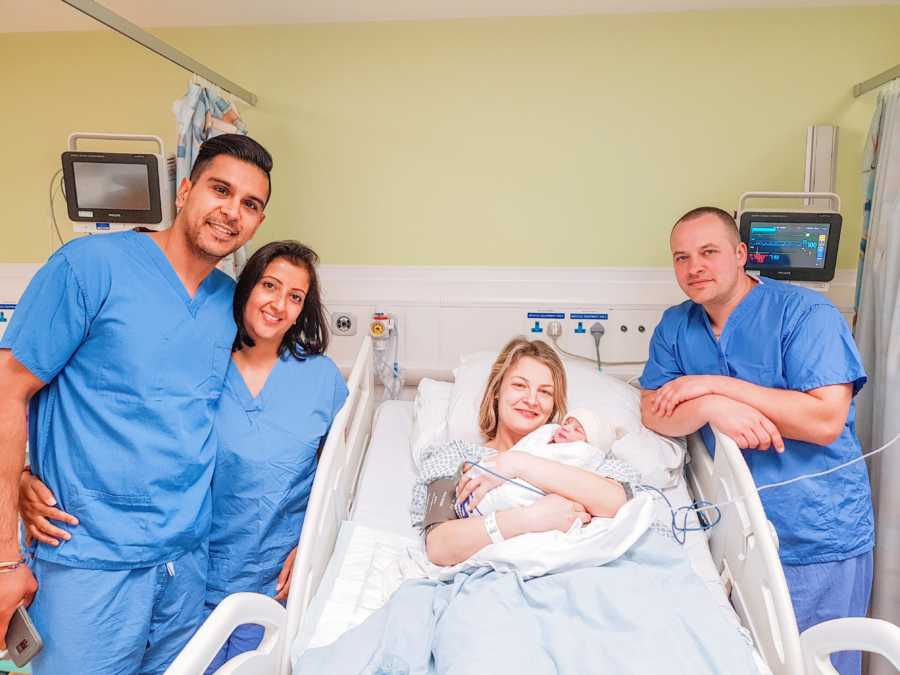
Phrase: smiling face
(276, 301)
(569, 431)
(709, 258)
(223, 207)
(525, 399)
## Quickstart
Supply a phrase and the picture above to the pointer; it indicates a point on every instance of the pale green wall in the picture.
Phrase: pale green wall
(542, 141)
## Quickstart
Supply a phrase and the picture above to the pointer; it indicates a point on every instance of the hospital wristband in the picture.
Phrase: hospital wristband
(493, 531)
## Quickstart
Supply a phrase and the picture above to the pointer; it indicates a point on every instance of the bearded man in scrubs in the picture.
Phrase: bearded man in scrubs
(774, 367)
(116, 356)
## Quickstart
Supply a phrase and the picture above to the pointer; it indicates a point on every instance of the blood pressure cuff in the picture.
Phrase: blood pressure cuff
(440, 501)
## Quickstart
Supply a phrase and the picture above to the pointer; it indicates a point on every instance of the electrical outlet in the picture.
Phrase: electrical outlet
(343, 323)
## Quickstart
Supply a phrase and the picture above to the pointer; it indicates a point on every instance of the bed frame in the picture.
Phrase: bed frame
(743, 545)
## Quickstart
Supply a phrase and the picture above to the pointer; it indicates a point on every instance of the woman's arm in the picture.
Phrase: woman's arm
(456, 540)
(599, 495)
(453, 541)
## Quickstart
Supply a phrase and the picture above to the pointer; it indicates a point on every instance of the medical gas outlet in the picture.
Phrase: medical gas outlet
(380, 329)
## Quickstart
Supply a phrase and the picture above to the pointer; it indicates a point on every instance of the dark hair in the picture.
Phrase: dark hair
(309, 334)
(724, 217)
(238, 146)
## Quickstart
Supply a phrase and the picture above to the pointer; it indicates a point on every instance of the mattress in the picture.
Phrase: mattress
(373, 548)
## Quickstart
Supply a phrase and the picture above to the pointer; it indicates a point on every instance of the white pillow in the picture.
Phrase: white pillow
(658, 459)
(429, 416)
(469, 380)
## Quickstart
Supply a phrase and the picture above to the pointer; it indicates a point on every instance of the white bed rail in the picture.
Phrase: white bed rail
(234, 610)
(745, 550)
(332, 494)
(329, 504)
(870, 635)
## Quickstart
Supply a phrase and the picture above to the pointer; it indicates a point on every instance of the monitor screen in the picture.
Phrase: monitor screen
(112, 186)
(791, 245)
(788, 244)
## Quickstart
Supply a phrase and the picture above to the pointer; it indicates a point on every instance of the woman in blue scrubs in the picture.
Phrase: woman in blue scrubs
(281, 394)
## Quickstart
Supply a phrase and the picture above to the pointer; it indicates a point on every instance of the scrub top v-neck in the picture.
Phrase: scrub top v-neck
(783, 337)
(265, 468)
(122, 431)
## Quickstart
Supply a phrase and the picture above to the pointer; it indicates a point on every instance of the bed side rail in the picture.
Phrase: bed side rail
(851, 633)
(329, 503)
(332, 493)
(234, 610)
(745, 550)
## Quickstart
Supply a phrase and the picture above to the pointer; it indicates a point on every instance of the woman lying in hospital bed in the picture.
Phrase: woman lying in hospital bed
(622, 598)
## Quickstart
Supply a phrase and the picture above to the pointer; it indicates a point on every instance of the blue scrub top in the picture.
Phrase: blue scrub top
(122, 431)
(784, 337)
(265, 467)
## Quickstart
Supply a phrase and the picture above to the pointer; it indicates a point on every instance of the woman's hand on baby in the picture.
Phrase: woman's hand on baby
(37, 506)
(475, 483)
(554, 512)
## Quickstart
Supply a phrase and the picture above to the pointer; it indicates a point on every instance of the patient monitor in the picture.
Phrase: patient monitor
(111, 191)
(796, 245)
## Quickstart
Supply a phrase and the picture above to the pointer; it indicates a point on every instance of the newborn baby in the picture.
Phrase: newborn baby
(581, 440)
(579, 426)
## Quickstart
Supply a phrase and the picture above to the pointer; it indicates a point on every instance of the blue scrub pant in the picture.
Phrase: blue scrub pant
(833, 590)
(116, 622)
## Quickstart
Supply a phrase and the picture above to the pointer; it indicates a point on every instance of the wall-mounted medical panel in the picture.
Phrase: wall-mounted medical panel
(447, 312)
(14, 277)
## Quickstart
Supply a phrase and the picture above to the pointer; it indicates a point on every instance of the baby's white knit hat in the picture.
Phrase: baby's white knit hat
(598, 433)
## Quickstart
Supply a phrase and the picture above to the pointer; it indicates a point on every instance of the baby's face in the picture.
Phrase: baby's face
(569, 431)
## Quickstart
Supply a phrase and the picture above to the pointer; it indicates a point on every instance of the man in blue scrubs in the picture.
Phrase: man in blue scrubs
(774, 367)
(114, 360)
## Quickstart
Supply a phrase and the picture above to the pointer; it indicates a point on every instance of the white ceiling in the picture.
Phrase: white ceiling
(49, 15)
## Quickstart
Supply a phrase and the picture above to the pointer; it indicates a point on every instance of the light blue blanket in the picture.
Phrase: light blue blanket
(646, 612)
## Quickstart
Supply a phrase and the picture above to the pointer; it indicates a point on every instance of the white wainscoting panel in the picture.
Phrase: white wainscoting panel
(445, 312)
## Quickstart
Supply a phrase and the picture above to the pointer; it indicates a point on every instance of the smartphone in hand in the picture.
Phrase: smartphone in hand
(22, 639)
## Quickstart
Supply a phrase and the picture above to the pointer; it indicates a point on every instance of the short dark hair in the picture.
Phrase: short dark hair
(238, 146)
(724, 217)
(309, 334)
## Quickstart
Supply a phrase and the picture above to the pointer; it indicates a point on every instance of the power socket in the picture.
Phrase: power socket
(343, 323)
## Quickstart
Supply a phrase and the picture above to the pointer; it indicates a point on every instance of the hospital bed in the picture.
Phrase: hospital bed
(357, 520)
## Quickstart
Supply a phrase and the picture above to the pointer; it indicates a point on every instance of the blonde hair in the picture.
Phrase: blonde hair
(515, 349)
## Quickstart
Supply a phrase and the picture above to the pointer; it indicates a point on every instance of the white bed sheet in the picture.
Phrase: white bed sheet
(360, 574)
(388, 473)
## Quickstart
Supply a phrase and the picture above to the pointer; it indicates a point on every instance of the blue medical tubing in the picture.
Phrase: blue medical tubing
(679, 532)
(462, 510)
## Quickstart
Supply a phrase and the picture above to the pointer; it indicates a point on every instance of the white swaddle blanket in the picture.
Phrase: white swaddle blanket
(538, 553)
(537, 443)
